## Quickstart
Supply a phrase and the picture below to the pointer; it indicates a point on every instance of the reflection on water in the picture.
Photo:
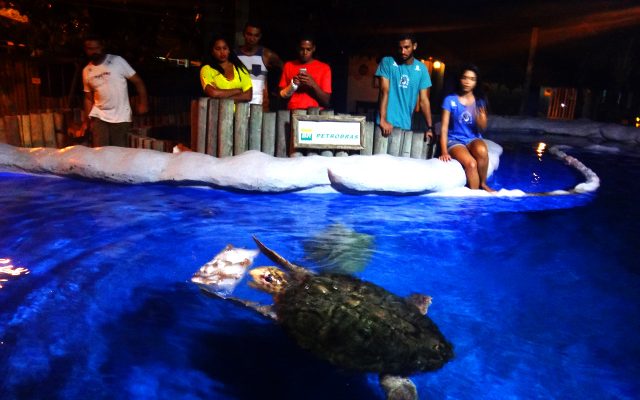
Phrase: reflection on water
(542, 146)
(340, 249)
(7, 269)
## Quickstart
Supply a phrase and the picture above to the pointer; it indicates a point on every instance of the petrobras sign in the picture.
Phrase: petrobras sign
(328, 131)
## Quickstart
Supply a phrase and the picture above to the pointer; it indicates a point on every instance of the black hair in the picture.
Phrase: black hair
(477, 90)
(233, 57)
(93, 37)
(255, 24)
(406, 36)
(307, 37)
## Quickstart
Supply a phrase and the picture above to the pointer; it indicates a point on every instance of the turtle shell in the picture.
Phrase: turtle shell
(360, 326)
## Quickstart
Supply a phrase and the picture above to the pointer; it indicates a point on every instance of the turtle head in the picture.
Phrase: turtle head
(268, 279)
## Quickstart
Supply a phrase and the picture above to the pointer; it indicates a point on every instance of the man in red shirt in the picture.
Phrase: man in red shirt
(306, 82)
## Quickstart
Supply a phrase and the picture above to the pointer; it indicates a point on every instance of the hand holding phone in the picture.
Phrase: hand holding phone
(304, 77)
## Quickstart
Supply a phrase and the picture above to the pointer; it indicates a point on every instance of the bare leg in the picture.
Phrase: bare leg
(464, 157)
(480, 152)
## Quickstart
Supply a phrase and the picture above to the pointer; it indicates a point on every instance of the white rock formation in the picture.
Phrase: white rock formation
(255, 171)
(250, 171)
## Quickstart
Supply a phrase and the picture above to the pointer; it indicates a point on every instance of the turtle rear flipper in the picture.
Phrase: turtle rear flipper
(398, 387)
(277, 258)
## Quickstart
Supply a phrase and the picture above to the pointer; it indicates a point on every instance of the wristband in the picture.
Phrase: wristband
(430, 128)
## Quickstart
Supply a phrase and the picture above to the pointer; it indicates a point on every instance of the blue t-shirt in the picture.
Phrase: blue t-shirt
(462, 122)
(405, 83)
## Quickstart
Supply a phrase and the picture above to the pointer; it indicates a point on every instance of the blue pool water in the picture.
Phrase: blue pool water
(540, 295)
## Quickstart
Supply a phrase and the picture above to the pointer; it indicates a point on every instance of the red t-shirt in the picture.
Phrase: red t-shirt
(301, 98)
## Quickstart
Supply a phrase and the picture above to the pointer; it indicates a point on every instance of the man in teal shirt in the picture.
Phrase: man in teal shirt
(403, 80)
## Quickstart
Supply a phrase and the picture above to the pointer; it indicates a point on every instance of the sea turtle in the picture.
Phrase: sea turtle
(339, 248)
(351, 323)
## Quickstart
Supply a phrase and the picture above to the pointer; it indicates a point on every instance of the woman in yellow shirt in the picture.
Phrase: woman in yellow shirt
(225, 76)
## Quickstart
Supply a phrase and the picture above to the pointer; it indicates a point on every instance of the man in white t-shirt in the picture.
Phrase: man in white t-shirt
(106, 98)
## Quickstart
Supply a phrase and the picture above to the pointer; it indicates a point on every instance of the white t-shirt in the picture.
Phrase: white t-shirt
(108, 82)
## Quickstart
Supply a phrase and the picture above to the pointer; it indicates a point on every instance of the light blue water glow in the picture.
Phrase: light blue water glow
(540, 295)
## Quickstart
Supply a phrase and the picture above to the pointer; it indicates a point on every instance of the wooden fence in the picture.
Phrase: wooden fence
(221, 128)
(218, 127)
(29, 85)
(55, 128)
(35, 129)
(562, 104)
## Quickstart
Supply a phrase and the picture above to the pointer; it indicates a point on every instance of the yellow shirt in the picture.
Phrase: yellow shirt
(209, 76)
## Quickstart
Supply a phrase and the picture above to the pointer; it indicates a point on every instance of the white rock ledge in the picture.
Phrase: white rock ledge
(251, 171)
(254, 171)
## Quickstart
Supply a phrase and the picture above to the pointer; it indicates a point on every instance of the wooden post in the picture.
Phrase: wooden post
(194, 124)
(225, 128)
(283, 129)
(200, 143)
(533, 45)
(48, 130)
(77, 115)
(380, 143)
(3, 132)
(25, 130)
(158, 145)
(137, 142)
(395, 142)
(20, 92)
(417, 143)
(255, 126)
(406, 144)
(269, 133)
(37, 138)
(241, 129)
(429, 148)
(313, 111)
(368, 139)
(12, 127)
(211, 147)
(292, 147)
(61, 133)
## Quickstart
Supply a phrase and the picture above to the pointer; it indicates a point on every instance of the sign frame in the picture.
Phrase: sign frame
(347, 119)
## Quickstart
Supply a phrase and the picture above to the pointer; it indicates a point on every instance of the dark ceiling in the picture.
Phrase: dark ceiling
(595, 40)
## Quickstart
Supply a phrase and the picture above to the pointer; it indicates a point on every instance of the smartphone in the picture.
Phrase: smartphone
(302, 71)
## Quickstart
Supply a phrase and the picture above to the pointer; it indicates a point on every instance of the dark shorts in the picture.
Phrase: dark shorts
(110, 134)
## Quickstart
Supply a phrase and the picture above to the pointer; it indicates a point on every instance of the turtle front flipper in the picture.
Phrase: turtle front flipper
(262, 309)
(277, 258)
(398, 387)
(265, 310)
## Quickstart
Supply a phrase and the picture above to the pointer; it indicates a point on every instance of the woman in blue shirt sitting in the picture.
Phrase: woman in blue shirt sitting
(464, 118)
